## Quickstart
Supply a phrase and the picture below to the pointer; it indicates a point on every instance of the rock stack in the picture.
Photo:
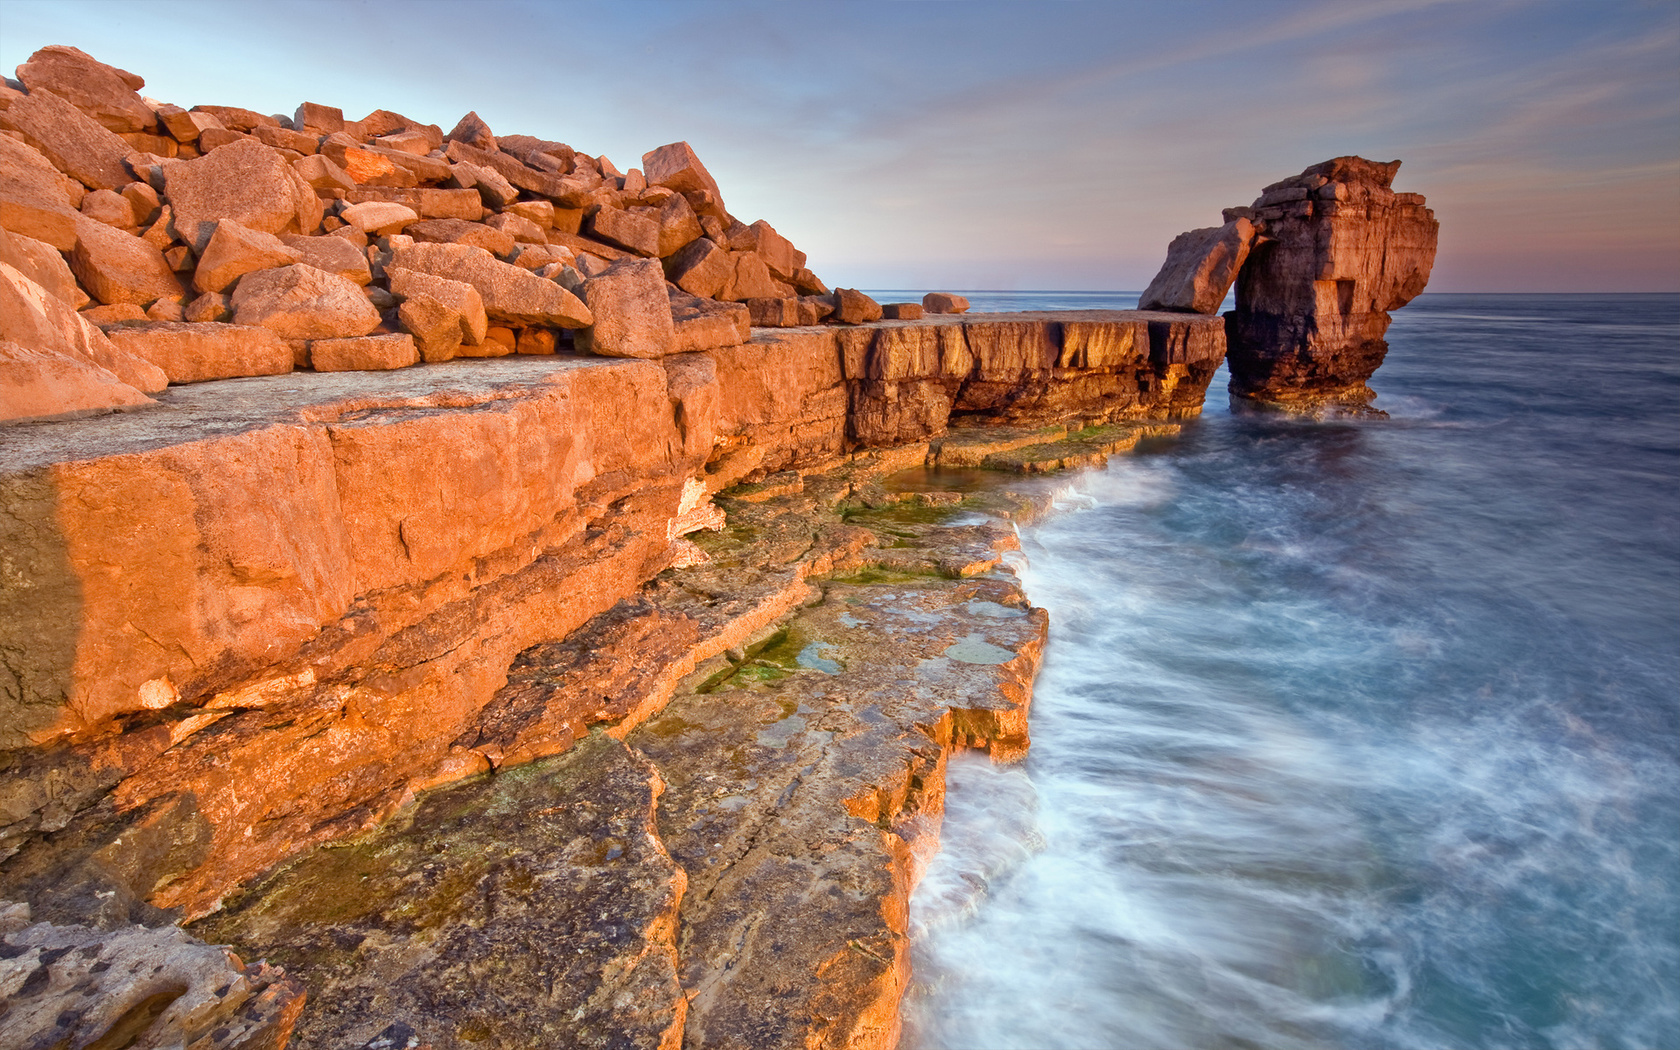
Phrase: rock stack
(1319, 260)
(143, 244)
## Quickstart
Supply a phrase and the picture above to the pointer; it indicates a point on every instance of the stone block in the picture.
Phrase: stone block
(235, 251)
(368, 353)
(43, 264)
(301, 302)
(32, 318)
(701, 268)
(246, 182)
(118, 267)
(314, 116)
(379, 218)
(944, 303)
(853, 307)
(458, 296)
(675, 165)
(72, 141)
(44, 384)
(105, 93)
(632, 313)
(36, 199)
(436, 327)
(774, 313)
(458, 231)
(901, 311)
(511, 295)
(195, 352)
(634, 233)
(1201, 266)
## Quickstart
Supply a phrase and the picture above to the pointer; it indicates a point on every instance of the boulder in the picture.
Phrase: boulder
(31, 317)
(458, 231)
(211, 306)
(172, 308)
(701, 268)
(41, 263)
(118, 267)
(429, 203)
(144, 201)
(246, 182)
(70, 139)
(115, 313)
(301, 302)
(332, 254)
(286, 138)
(627, 230)
(379, 218)
(110, 208)
(313, 116)
(185, 126)
(853, 307)
(944, 303)
(815, 309)
(237, 119)
(751, 279)
(510, 294)
(536, 341)
(195, 352)
(437, 328)
(1201, 266)
(458, 296)
(235, 251)
(774, 313)
(632, 311)
(540, 213)
(107, 94)
(44, 384)
(36, 199)
(473, 132)
(368, 353)
(902, 311)
(678, 226)
(322, 174)
(521, 229)
(705, 324)
(778, 253)
(676, 166)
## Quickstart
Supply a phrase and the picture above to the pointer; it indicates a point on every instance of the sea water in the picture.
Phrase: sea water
(1350, 732)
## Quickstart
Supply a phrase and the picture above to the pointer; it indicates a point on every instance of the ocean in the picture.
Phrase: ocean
(1351, 732)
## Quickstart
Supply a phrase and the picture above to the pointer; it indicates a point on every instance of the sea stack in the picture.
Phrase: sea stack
(1339, 250)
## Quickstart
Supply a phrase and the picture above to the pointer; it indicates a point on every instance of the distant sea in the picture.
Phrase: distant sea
(1350, 733)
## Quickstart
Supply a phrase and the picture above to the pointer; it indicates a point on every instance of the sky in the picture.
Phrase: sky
(1048, 145)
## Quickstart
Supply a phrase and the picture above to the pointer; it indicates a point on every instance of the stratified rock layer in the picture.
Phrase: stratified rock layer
(1340, 249)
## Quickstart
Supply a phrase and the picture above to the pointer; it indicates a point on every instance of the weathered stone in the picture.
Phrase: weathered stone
(76, 986)
(437, 328)
(457, 231)
(1200, 269)
(521, 229)
(105, 316)
(186, 126)
(110, 208)
(473, 132)
(509, 293)
(287, 139)
(105, 93)
(633, 233)
(774, 313)
(703, 324)
(45, 384)
(751, 279)
(41, 263)
(783, 259)
(678, 226)
(409, 140)
(234, 118)
(902, 311)
(36, 199)
(380, 218)
(301, 302)
(944, 303)
(542, 154)
(368, 353)
(313, 115)
(631, 310)
(211, 306)
(144, 201)
(814, 309)
(335, 255)
(676, 166)
(235, 251)
(429, 203)
(499, 341)
(194, 352)
(385, 122)
(33, 318)
(539, 212)
(216, 138)
(536, 341)
(538, 256)
(459, 296)
(74, 143)
(853, 307)
(1313, 298)
(322, 174)
(118, 267)
(246, 182)
(171, 308)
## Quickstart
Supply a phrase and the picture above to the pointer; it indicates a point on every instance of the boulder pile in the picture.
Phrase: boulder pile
(143, 244)
(1319, 260)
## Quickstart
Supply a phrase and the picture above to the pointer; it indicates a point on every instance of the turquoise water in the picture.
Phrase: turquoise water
(1351, 733)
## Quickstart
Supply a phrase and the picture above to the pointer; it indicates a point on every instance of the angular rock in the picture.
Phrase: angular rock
(144, 201)
(105, 316)
(429, 203)
(36, 199)
(107, 94)
(235, 251)
(631, 310)
(301, 302)
(379, 218)
(236, 119)
(774, 313)
(678, 226)
(458, 231)
(944, 303)
(459, 296)
(335, 255)
(778, 253)
(814, 309)
(1342, 249)
(32, 318)
(172, 308)
(509, 293)
(194, 352)
(409, 140)
(633, 233)
(322, 174)
(473, 132)
(118, 267)
(518, 227)
(1201, 266)
(751, 279)
(368, 353)
(902, 311)
(539, 212)
(246, 182)
(41, 263)
(704, 324)
(314, 116)
(853, 307)
(187, 126)
(285, 138)
(701, 268)
(536, 341)
(71, 140)
(436, 327)
(45, 384)
(110, 208)
(676, 166)
(211, 306)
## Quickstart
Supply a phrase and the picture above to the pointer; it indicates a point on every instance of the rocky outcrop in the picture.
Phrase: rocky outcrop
(1319, 261)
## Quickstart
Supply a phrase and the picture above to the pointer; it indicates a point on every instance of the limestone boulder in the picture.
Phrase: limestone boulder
(235, 251)
(118, 267)
(631, 310)
(700, 268)
(107, 94)
(315, 117)
(322, 174)
(751, 279)
(195, 352)
(676, 166)
(472, 131)
(458, 231)
(774, 313)
(211, 306)
(301, 302)
(853, 307)
(459, 297)
(76, 145)
(779, 255)
(379, 218)
(36, 199)
(1201, 266)
(521, 229)
(110, 208)
(902, 311)
(42, 263)
(246, 182)
(33, 318)
(368, 353)
(510, 294)
(236, 118)
(678, 226)
(45, 384)
(944, 303)
(332, 254)
(437, 328)
(634, 233)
